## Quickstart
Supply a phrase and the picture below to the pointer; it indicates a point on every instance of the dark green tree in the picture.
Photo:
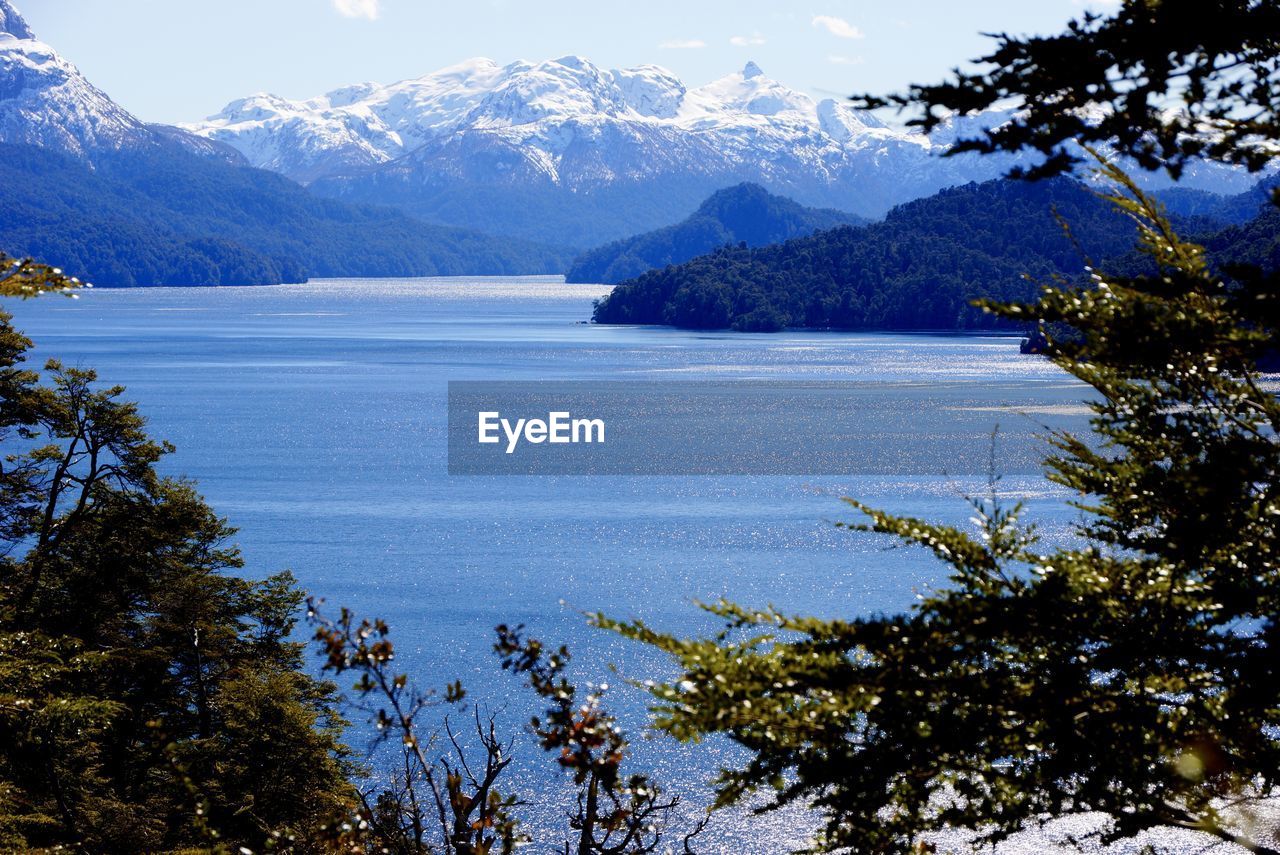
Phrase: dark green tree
(1165, 82)
(150, 699)
(1134, 674)
(920, 268)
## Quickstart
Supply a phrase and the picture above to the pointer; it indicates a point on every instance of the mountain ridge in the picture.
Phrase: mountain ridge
(172, 218)
(917, 269)
(46, 101)
(745, 213)
(564, 148)
(553, 154)
(12, 22)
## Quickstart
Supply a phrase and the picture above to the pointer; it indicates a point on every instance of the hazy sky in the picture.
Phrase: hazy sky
(180, 60)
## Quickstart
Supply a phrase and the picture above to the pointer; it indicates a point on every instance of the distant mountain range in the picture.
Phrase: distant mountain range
(566, 152)
(87, 186)
(495, 169)
(746, 214)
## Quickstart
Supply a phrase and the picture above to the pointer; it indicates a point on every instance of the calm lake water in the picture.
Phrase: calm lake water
(313, 417)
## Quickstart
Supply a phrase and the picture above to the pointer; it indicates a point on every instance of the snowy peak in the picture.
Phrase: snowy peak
(45, 101)
(843, 123)
(748, 93)
(348, 95)
(650, 91)
(12, 23)
(370, 124)
(566, 127)
(565, 120)
(964, 125)
(566, 87)
(574, 87)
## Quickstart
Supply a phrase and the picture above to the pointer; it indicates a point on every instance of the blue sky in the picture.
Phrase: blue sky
(180, 60)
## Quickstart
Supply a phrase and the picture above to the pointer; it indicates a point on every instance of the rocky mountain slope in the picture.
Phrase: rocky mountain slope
(45, 101)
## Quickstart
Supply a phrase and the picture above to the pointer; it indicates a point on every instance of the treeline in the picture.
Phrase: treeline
(746, 213)
(168, 217)
(919, 268)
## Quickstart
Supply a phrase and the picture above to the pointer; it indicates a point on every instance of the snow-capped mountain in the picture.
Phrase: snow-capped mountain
(361, 125)
(566, 151)
(559, 118)
(45, 101)
(11, 23)
(562, 151)
(91, 188)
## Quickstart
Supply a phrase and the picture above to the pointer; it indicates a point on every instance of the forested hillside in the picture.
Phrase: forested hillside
(919, 268)
(746, 214)
(169, 217)
(1255, 243)
(1224, 209)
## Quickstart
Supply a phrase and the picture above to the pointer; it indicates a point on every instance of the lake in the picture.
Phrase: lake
(313, 417)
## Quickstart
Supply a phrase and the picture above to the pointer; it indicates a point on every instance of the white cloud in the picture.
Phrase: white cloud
(846, 60)
(747, 41)
(838, 27)
(682, 44)
(358, 8)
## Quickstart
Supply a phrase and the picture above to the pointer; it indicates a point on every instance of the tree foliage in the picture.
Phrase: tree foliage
(149, 698)
(616, 814)
(1134, 675)
(25, 277)
(1164, 82)
(447, 796)
(438, 800)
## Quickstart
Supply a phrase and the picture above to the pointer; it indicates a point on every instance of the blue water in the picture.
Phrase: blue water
(313, 417)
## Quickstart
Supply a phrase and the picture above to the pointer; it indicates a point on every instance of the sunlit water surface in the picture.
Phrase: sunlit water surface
(313, 417)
